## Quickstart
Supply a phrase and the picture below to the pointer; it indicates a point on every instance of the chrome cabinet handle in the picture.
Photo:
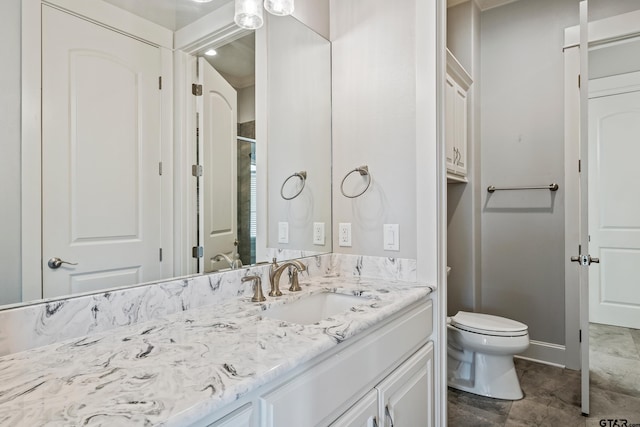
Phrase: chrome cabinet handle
(56, 262)
(387, 414)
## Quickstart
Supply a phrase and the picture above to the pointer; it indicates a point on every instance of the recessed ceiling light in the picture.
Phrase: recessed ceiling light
(202, 1)
(211, 52)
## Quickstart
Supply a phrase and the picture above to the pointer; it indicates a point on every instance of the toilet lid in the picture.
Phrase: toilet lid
(488, 324)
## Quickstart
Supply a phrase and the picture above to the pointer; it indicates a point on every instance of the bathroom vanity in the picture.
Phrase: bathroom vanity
(238, 363)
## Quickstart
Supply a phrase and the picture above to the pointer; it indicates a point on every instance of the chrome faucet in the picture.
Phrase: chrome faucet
(276, 271)
(234, 263)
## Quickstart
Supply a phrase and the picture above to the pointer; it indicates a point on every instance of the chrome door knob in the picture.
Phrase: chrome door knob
(56, 262)
(585, 260)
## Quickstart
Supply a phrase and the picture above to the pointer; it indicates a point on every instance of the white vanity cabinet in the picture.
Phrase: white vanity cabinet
(385, 369)
(241, 417)
(403, 399)
(457, 86)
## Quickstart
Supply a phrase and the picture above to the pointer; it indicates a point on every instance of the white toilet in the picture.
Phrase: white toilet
(480, 350)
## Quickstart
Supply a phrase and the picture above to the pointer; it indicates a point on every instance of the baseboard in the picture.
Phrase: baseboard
(544, 352)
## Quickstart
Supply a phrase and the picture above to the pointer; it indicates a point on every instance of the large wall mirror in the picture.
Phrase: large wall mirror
(139, 178)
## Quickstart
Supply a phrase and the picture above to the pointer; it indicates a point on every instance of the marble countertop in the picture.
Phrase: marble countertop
(177, 369)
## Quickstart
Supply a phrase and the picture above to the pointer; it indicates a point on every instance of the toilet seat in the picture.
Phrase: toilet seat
(487, 324)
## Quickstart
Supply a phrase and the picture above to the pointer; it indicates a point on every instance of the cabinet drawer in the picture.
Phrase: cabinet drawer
(318, 393)
(241, 417)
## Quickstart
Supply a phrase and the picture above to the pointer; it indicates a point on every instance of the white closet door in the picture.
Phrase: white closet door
(101, 148)
(614, 209)
(218, 131)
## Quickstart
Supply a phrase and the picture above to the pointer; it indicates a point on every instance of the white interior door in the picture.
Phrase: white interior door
(614, 212)
(101, 114)
(218, 132)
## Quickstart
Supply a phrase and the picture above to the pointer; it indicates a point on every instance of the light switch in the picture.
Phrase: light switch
(344, 234)
(318, 233)
(283, 232)
(391, 237)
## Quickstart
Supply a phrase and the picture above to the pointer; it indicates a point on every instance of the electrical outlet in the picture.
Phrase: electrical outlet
(318, 233)
(283, 232)
(391, 237)
(344, 234)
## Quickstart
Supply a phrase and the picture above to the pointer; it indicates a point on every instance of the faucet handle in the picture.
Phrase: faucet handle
(258, 296)
(295, 286)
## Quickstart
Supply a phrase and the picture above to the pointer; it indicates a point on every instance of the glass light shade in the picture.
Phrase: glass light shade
(248, 14)
(279, 7)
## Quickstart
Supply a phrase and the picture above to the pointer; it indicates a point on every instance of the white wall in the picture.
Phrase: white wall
(314, 14)
(247, 104)
(299, 132)
(374, 121)
(463, 219)
(10, 264)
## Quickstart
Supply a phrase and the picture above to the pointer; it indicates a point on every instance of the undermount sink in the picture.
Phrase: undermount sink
(314, 308)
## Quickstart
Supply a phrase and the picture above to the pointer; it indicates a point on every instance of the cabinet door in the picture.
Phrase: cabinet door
(460, 130)
(362, 414)
(405, 397)
(449, 123)
(241, 417)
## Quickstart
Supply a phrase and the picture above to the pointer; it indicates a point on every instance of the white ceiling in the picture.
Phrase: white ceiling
(171, 14)
(236, 61)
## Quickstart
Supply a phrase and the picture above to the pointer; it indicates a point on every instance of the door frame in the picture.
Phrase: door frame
(31, 124)
(600, 32)
(212, 30)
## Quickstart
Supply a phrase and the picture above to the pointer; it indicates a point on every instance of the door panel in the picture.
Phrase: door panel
(614, 215)
(219, 160)
(101, 148)
(363, 414)
(406, 395)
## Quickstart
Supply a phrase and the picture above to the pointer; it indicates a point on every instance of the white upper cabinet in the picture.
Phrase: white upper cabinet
(457, 86)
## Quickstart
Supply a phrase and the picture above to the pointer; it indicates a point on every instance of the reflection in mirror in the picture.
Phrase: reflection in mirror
(299, 100)
(226, 151)
(113, 198)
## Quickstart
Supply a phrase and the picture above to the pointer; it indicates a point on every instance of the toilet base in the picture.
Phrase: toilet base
(487, 375)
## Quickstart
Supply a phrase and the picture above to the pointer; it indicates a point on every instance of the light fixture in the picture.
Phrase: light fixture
(211, 52)
(202, 1)
(279, 7)
(249, 12)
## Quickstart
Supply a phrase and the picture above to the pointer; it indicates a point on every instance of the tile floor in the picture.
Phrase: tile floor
(552, 394)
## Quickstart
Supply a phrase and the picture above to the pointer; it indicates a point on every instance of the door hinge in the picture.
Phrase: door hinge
(197, 251)
(196, 170)
(160, 82)
(580, 335)
(159, 168)
(160, 253)
(196, 89)
(578, 81)
(579, 249)
(579, 166)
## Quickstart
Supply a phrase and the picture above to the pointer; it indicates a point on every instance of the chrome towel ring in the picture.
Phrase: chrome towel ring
(303, 177)
(363, 171)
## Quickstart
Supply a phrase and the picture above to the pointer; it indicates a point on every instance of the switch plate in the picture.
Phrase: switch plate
(344, 234)
(318, 233)
(283, 232)
(391, 237)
